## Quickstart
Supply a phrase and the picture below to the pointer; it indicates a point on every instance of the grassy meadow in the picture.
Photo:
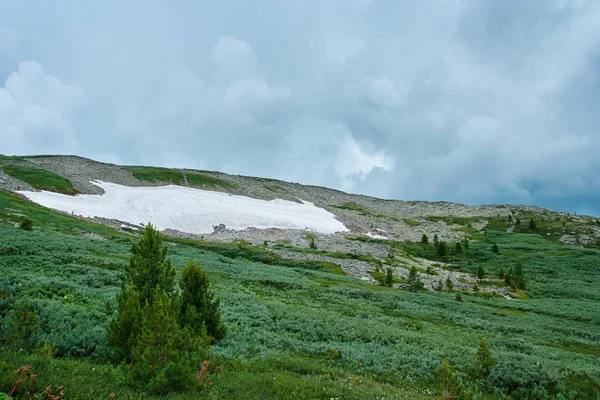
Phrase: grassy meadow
(302, 330)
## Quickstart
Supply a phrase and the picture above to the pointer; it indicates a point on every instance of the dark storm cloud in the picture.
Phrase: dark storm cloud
(471, 101)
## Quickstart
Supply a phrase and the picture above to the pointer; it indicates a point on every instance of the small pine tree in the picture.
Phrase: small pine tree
(458, 297)
(436, 240)
(501, 273)
(26, 224)
(439, 286)
(160, 360)
(480, 272)
(508, 277)
(311, 241)
(389, 278)
(466, 242)
(495, 248)
(414, 282)
(485, 362)
(451, 387)
(424, 240)
(518, 221)
(518, 279)
(449, 284)
(124, 329)
(199, 306)
(22, 325)
(458, 248)
(149, 266)
(532, 225)
(509, 218)
(475, 288)
(442, 249)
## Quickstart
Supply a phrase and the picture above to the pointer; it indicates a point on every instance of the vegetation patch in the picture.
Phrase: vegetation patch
(40, 179)
(204, 180)
(156, 174)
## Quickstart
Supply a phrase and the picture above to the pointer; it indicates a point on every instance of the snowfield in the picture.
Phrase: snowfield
(190, 210)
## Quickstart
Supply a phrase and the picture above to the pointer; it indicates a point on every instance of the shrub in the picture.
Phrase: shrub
(22, 326)
(458, 297)
(424, 239)
(522, 380)
(449, 284)
(495, 248)
(24, 387)
(26, 224)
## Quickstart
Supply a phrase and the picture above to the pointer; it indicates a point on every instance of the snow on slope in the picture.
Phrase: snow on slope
(190, 210)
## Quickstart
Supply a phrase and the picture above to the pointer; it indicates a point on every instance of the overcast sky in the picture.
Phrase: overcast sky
(470, 101)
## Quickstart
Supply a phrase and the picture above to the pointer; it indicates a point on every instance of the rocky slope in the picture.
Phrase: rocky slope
(384, 221)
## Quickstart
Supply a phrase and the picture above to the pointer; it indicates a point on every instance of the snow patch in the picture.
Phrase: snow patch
(190, 210)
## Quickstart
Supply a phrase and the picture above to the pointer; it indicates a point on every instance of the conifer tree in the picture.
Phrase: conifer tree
(424, 239)
(458, 248)
(439, 286)
(160, 360)
(442, 249)
(199, 306)
(501, 273)
(466, 241)
(449, 284)
(495, 248)
(458, 297)
(485, 362)
(518, 221)
(22, 325)
(389, 278)
(532, 225)
(451, 388)
(436, 240)
(124, 329)
(26, 224)
(480, 272)
(149, 266)
(518, 278)
(414, 282)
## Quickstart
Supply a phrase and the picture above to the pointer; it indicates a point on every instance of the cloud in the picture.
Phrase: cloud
(354, 163)
(464, 100)
(36, 111)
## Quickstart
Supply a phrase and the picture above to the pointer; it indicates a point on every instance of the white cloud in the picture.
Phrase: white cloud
(37, 111)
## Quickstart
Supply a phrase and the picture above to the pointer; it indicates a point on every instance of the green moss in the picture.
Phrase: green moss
(40, 179)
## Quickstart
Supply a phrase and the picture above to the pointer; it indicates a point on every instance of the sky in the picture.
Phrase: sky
(471, 101)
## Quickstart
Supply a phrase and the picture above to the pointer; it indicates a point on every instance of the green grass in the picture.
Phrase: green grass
(177, 177)
(283, 317)
(197, 179)
(13, 208)
(40, 179)
(156, 174)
